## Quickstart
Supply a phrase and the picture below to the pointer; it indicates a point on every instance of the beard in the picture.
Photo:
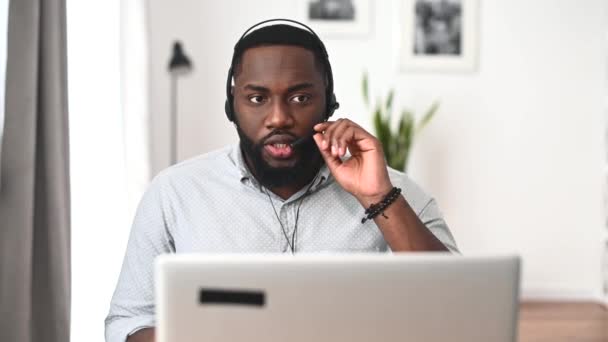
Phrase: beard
(307, 163)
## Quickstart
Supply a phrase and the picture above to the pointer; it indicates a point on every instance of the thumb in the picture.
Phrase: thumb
(331, 161)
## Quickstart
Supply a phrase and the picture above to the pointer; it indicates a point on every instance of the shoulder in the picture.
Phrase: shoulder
(417, 198)
(200, 169)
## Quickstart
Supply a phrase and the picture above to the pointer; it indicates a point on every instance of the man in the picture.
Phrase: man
(288, 186)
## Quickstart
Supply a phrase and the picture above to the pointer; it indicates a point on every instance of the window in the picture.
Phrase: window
(3, 46)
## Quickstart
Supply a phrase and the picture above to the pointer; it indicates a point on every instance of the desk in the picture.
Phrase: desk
(563, 322)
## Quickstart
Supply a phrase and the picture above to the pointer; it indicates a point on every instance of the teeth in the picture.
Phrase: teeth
(280, 145)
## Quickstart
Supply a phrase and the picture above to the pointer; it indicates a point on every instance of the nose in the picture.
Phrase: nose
(279, 116)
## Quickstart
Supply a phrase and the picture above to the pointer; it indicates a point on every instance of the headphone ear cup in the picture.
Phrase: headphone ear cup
(332, 106)
(228, 110)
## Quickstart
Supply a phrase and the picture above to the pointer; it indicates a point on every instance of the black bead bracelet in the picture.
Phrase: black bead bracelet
(378, 208)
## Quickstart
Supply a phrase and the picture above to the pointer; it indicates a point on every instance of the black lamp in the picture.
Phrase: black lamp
(179, 61)
(178, 65)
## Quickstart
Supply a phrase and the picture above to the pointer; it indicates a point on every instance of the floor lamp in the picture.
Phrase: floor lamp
(178, 65)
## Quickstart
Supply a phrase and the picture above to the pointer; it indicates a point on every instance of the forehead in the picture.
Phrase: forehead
(274, 62)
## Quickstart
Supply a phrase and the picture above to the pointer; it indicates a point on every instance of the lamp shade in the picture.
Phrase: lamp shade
(179, 61)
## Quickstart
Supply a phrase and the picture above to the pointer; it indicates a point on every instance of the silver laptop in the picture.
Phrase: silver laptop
(418, 297)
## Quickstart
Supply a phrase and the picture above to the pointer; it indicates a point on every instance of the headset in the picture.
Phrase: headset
(331, 103)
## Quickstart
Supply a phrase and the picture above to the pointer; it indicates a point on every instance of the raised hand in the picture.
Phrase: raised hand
(364, 174)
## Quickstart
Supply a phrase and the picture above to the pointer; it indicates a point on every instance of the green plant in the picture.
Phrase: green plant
(396, 144)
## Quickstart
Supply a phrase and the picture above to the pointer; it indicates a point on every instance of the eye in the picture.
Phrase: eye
(257, 99)
(300, 98)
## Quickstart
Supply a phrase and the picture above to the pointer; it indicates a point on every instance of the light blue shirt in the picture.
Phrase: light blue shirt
(213, 204)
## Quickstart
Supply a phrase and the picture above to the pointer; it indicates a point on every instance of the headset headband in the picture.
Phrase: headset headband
(331, 103)
(287, 20)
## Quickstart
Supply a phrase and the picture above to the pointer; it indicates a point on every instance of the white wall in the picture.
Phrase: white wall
(515, 157)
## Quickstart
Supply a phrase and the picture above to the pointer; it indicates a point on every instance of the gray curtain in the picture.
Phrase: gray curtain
(34, 192)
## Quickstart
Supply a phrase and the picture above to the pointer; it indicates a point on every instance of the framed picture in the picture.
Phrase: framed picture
(439, 35)
(337, 18)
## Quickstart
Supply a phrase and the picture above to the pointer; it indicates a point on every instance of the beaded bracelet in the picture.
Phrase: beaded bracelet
(378, 208)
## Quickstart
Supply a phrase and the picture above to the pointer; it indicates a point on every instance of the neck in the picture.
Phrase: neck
(288, 190)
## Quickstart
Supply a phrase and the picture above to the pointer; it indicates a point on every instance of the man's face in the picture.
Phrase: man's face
(279, 95)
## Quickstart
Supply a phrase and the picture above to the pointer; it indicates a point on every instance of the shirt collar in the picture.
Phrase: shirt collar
(236, 156)
(239, 161)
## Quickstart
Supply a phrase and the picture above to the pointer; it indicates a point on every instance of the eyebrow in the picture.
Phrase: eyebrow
(293, 88)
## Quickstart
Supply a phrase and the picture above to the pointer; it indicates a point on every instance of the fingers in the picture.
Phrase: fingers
(340, 135)
(332, 161)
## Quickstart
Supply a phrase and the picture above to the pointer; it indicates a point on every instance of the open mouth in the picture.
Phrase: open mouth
(279, 150)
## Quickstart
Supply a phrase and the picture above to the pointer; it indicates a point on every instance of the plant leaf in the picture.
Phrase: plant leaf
(365, 89)
(389, 104)
(406, 135)
(382, 130)
(428, 116)
(408, 129)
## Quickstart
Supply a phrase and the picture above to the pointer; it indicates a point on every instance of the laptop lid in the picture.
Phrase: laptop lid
(427, 297)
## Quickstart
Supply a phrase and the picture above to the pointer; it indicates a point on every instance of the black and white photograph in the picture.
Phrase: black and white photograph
(439, 35)
(331, 10)
(338, 18)
(438, 27)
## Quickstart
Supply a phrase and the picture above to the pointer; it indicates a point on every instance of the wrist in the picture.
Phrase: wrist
(379, 208)
(367, 200)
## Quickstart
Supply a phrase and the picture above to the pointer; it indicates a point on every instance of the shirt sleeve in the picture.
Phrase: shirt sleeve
(426, 208)
(433, 220)
(132, 305)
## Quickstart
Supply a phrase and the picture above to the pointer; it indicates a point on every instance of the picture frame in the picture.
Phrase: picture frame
(439, 35)
(337, 18)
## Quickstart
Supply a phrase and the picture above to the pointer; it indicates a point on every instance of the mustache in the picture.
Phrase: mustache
(277, 132)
